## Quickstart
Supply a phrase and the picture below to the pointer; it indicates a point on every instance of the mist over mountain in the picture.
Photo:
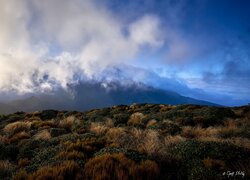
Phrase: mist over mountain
(86, 96)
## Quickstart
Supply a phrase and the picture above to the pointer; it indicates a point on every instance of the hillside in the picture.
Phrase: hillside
(87, 96)
(140, 141)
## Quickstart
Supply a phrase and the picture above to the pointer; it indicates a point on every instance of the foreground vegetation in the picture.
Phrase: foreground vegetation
(127, 142)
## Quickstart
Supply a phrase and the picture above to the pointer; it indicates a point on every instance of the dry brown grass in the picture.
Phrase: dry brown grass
(40, 125)
(116, 135)
(98, 128)
(6, 168)
(16, 127)
(118, 166)
(241, 142)
(152, 144)
(3, 139)
(43, 135)
(109, 123)
(88, 145)
(146, 141)
(65, 170)
(6, 165)
(68, 122)
(136, 119)
(151, 122)
(198, 132)
(230, 123)
(19, 136)
(172, 140)
(164, 108)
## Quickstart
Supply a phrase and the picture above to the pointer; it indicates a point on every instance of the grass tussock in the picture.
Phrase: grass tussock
(118, 166)
(16, 127)
(68, 123)
(42, 135)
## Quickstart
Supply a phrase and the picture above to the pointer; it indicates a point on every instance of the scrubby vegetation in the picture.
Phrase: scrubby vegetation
(141, 141)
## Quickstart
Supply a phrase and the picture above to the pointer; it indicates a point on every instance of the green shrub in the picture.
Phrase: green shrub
(213, 115)
(42, 157)
(48, 114)
(9, 152)
(120, 118)
(167, 128)
(193, 149)
(54, 132)
(134, 155)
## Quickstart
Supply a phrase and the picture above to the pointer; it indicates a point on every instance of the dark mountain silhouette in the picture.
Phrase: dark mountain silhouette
(87, 96)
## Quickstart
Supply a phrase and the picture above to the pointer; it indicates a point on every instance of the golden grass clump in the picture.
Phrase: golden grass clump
(241, 142)
(198, 132)
(116, 135)
(173, 140)
(68, 122)
(118, 166)
(3, 139)
(6, 165)
(6, 168)
(109, 123)
(40, 125)
(164, 108)
(151, 122)
(136, 119)
(63, 171)
(152, 144)
(88, 145)
(230, 123)
(16, 127)
(19, 136)
(43, 135)
(98, 128)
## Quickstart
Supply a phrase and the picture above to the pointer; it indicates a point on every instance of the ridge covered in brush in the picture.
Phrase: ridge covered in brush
(140, 141)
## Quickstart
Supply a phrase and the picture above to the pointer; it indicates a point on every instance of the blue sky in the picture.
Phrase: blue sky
(217, 33)
(199, 48)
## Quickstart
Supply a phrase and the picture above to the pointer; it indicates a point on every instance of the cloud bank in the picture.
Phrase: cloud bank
(49, 44)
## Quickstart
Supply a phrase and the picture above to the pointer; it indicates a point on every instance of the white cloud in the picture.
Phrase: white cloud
(45, 44)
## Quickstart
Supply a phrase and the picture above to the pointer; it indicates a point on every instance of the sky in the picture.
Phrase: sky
(198, 48)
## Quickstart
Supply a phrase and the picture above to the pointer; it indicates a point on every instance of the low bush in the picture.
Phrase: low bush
(8, 152)
(48, 114)
(54, 132)
(193, 149)
(42, 157)
(120, 118)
